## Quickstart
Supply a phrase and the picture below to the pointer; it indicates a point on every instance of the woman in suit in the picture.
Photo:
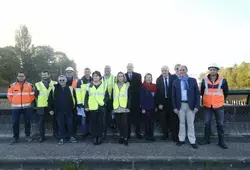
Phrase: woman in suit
(186, 102)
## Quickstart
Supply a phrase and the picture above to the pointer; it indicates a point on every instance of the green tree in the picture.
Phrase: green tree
(9, 65)
(24, 51)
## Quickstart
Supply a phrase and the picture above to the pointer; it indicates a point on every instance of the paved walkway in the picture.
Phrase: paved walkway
(137, 154)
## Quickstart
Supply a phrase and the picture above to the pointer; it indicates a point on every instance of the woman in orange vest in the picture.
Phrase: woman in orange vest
(21, 95)
(214, 90)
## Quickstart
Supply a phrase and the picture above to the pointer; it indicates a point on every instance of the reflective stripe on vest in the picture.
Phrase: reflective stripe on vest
(109, 83)
(213, 97)
(96, 96)
(42, 98)
(120, 96)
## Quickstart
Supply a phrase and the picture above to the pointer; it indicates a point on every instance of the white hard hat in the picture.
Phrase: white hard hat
(213, 65)
(70, 69)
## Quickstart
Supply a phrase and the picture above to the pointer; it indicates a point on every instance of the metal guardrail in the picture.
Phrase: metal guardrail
(231, 92)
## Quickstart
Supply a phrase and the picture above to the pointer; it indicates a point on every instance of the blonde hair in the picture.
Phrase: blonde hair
(124, 77)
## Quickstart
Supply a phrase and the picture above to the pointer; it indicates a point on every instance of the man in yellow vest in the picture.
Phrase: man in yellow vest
(82, 85)
(42, 91)
(108, 80)
(214, 90)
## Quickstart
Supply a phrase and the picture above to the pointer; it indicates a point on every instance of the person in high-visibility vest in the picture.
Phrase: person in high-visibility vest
(62, 101)
(42, 91)
(21, 96)
(95, 101)
(121, 106)
(108, 79)
(82, 85)
(69, 71)
(214, 90)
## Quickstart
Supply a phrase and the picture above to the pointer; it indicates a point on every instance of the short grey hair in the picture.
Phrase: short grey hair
(107, 66)
(62, 76)
(183, 66)
(165, 67)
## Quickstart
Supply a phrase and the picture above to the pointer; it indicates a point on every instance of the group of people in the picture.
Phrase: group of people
(97, 102)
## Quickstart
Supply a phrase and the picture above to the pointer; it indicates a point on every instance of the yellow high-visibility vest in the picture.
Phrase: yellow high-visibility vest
(96, 96)
(109, 83)
(42, 99)
(80, 93)
(120, 96)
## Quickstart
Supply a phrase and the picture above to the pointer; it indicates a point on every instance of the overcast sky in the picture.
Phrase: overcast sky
(147, 33)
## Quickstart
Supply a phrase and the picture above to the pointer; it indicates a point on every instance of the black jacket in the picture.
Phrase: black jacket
(54, 99)
(135, 86)
(83, 80)
(160, 93)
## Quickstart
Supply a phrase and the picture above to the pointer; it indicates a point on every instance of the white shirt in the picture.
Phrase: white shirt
(183, 92)
(165, 84)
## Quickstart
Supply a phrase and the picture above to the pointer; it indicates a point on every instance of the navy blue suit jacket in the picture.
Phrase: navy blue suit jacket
(193, 94)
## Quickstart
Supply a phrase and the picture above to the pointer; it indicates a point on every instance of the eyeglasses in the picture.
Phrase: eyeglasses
(62, 80)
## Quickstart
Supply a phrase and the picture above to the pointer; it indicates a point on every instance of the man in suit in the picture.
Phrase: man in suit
(163, 96)
(186, 102)
(135, 81)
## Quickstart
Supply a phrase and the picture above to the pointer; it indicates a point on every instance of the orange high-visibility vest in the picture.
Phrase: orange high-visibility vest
(74, 83)
(213, 94)
(21, 95)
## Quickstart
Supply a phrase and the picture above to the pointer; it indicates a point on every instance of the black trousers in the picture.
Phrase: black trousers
(149, 122)
(122, 123)
(134, 117)
(169, 120)
(96, 123)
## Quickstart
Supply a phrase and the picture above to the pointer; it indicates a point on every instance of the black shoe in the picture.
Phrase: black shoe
(147, 138)
(164, 138)
(138, 136)
(180, 143)
(41, 139)
(14, 141)
(223, 145)
(121, 141)
(152, 139)
(125, 142)
(61, 142)
(194, 146)
(99, 141)
(84, 136)
(95, 141)
(204, 142)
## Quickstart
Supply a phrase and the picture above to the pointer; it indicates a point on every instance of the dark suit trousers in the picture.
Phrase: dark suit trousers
(169, 120)
(134, 118)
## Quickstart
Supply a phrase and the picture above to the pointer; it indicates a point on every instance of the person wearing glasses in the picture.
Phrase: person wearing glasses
(186, 102)
(176, 69)
(62, 100)
(96, 99)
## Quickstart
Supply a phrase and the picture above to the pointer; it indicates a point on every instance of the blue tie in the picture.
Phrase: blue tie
(166, 87)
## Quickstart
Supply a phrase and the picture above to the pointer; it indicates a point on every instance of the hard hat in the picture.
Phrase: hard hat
(70, 69)
(213, 65)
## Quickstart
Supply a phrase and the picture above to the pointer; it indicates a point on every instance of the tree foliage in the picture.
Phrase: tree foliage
(30, 59)
(238, 76)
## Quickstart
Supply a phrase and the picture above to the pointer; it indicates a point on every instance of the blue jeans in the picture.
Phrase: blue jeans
(16, 113)
(219, 116)
(84, 126)
(62, 119)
